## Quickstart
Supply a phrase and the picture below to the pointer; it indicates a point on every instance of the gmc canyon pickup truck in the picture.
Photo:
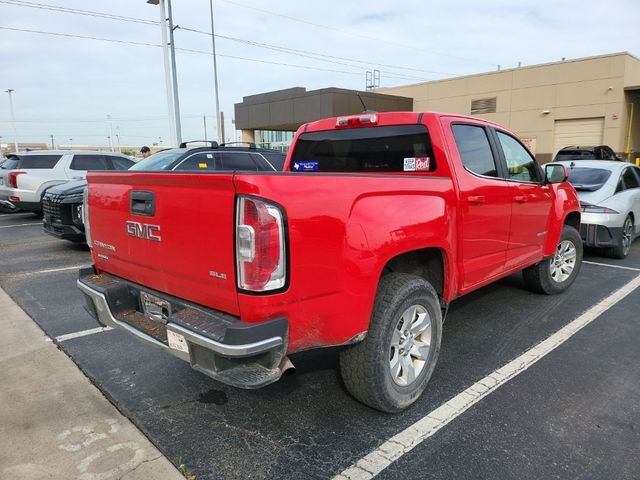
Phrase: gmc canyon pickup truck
(378, 222)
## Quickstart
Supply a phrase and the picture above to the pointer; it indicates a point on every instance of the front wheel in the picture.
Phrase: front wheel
(556, 273)
(390, 369)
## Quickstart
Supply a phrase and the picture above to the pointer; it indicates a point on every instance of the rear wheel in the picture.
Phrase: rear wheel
(390, 369)
(556, 273)
(621, 250)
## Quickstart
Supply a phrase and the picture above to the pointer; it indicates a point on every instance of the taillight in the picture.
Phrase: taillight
(260, 245)
(12, 178)
(85, 215)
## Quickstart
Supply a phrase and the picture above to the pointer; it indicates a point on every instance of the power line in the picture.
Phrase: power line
(320, 56)
(327, 27)
(130, 42)
(77, 11)
(298, 52)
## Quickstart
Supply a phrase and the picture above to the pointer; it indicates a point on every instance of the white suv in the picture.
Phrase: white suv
(25, 184)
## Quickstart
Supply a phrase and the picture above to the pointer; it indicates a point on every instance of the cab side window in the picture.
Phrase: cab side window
(475, 150)
(521, 166)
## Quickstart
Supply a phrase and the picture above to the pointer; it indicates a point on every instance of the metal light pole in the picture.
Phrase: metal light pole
(167, 71)
(13, 119)
(53, 147)
(215, 75)
(176, 102)
(110, 132)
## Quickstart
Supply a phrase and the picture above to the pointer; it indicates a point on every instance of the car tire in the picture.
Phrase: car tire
(556, 273)
(621, 250)
(390, 368)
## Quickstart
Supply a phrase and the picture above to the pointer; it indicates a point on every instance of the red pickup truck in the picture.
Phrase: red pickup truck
(378, 222)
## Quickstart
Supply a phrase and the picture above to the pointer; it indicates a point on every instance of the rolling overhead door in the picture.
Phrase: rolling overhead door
(581, 131)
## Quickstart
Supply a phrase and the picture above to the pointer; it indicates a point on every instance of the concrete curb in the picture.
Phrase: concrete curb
(54, 423)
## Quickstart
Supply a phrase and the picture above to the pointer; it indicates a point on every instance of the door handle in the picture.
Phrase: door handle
(476, 199)
(143, 203)
(520, 198)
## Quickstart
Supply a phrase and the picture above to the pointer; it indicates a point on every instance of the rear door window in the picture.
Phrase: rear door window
(475, 150)
(630, 179)
(236, 161)
(398, 148)
(39, 161)
(276, 160)
(118, 163)
(89, 162)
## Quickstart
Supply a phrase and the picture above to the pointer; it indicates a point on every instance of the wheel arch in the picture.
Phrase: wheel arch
(429, 263)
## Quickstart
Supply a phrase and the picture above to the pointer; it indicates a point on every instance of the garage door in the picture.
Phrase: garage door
(580, 131)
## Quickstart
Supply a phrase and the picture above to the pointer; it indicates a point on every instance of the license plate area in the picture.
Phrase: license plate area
(155, 308)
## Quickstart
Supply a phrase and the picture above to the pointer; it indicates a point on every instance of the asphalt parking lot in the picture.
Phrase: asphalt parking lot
(575, 413)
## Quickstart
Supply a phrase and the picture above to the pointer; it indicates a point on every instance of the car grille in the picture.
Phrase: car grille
(51, 207)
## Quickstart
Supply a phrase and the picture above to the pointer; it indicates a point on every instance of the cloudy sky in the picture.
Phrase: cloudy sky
(66, 86)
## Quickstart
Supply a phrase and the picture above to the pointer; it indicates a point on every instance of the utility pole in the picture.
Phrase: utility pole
(204, 119)
(215, 77)
(222, 140)
(167, 70)
(176, 102)
(13, 119)
(118, 138)
(110, 132)
(53, 147)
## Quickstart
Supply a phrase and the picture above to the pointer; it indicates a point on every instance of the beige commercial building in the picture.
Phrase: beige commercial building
(588, 101)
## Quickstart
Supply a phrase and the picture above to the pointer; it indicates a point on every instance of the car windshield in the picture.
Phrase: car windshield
(588, 179)
(158, 161)
(575, 155)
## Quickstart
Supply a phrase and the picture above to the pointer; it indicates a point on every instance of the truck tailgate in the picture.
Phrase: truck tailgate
(181, 245)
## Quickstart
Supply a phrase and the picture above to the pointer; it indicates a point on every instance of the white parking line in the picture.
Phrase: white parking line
(375, 462)
(612, 266)
(83, 333)
(61, 269)
(22, 225)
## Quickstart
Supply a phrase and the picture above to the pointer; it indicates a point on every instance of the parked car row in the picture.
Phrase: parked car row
(39, 181)
(609, 193)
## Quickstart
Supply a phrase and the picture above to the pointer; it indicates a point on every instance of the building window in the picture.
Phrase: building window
(483, 105)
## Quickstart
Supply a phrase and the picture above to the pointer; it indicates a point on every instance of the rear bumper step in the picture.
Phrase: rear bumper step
(245, 355)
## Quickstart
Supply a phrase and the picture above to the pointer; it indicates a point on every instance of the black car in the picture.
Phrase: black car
(599, 152)
(62, 205)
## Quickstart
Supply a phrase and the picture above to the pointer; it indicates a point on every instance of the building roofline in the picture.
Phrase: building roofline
(506, 70)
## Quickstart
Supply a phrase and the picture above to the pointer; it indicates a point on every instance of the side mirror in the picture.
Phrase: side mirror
(554, 173)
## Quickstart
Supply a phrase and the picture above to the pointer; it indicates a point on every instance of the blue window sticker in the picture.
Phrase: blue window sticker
(306, 166)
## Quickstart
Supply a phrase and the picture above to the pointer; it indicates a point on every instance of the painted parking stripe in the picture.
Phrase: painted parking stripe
(61, 269)
(83, 333)
(612, 266)
(376, 461)
(22, 225)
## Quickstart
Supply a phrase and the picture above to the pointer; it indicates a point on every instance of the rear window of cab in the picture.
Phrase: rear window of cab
(397, 148)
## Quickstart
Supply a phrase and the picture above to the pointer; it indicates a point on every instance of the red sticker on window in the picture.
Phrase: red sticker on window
(422, 164)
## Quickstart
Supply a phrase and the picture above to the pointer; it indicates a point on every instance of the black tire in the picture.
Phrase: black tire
(366, 368)
(621, 250)
(539, 277)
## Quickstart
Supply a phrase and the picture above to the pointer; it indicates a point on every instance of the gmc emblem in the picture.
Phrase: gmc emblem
(143, 230)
